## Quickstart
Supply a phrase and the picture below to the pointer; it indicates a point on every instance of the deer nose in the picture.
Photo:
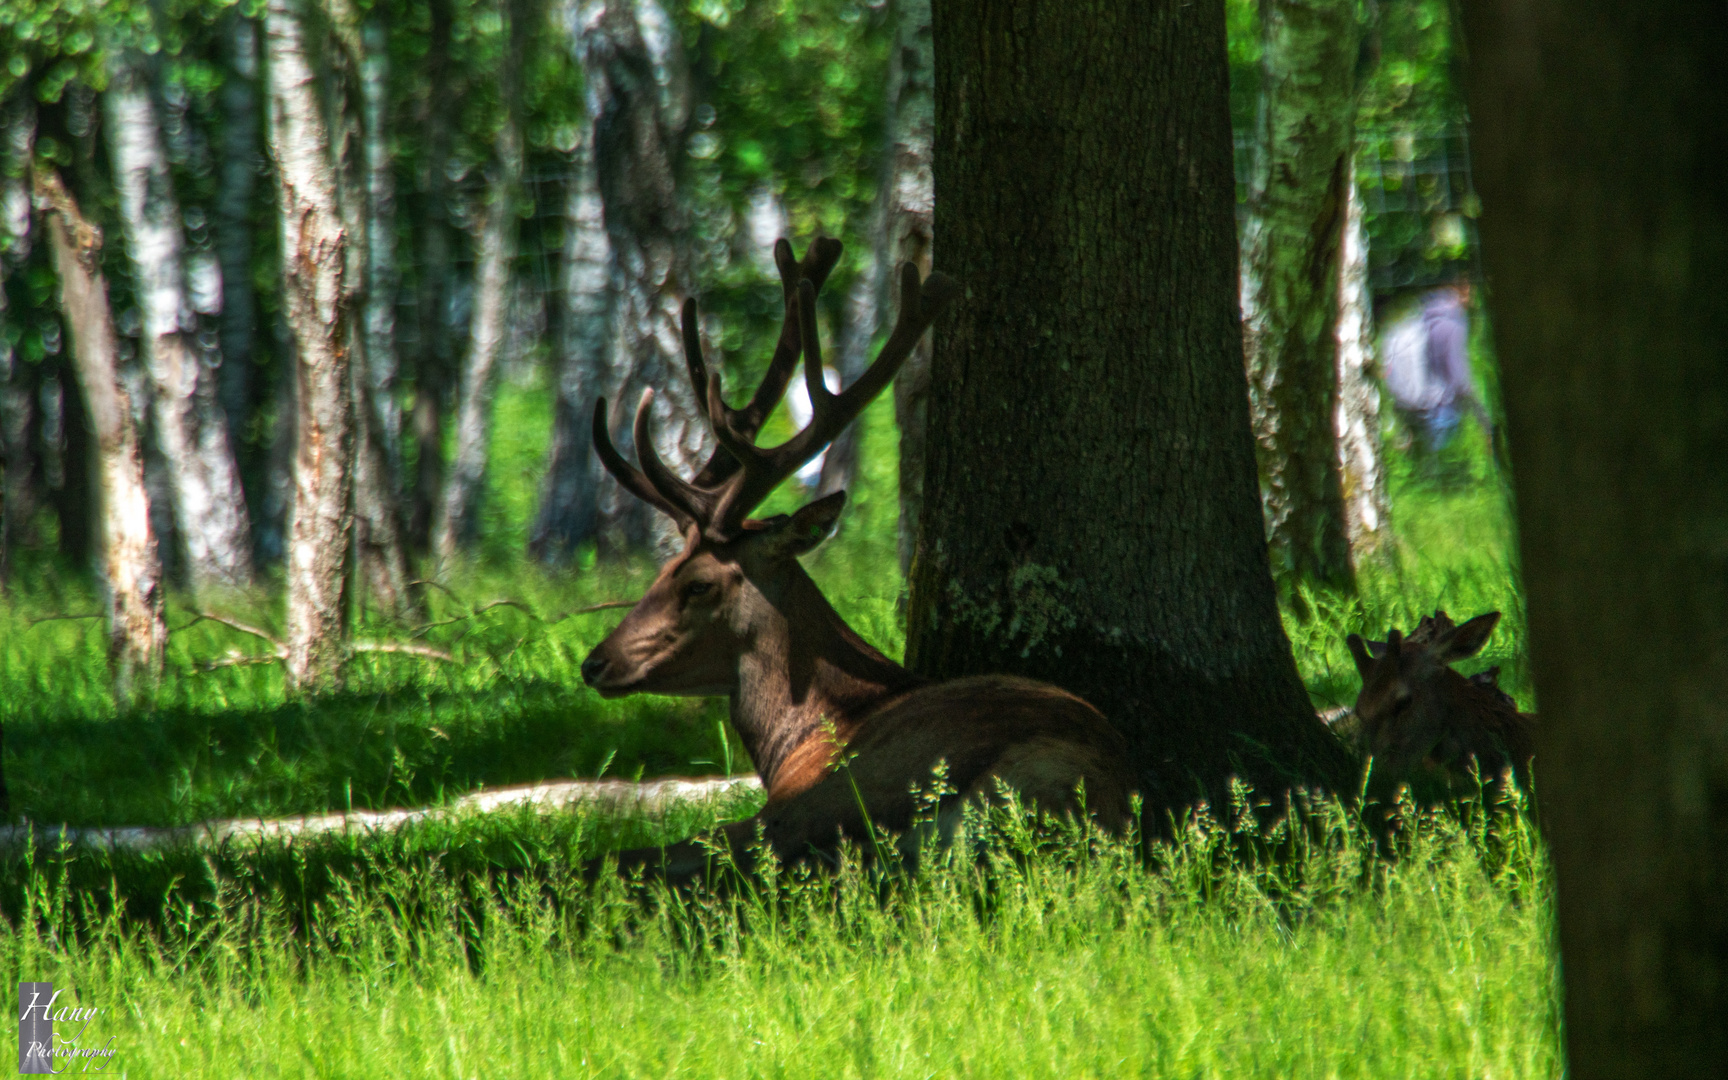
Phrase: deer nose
(593, 667)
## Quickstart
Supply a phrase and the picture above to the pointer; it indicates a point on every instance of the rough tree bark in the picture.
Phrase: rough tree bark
(130, 569)
(1357, 421)
(912, 116)
(1090, 510)
(320, 311)
(189, 427)
(1290, 280)
(241, 161)
(638, 105)
(435, 358)
(567, 496)
(1600, 156)
(357, 119)
(458, 515)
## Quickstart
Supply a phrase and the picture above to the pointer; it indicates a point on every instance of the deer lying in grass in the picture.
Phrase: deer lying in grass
(837, 730)
(1424, 723)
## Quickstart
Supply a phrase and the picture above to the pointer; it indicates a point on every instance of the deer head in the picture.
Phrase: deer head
(1419, 719)
(707, 607)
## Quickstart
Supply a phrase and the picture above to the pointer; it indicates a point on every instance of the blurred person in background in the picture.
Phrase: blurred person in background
(1425, 357)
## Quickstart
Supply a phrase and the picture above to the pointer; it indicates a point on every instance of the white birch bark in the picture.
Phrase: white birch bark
(911, 215)
(1357, 423)
(190, 431)
(381, 276)
(319, 308)
(457, 517)
(128, 561)
(567, 496)
(639, 132)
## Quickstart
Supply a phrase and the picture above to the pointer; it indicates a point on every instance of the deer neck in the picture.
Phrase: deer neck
(808, 682)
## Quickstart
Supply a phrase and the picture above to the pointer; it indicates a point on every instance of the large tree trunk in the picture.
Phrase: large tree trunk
(130, 569)
(639, 126)
(320, 313)
(912, 116)
(189, 426)
(567, 496)
(458, 516)
(1090, 511)
(1290, 281)
(435, 357)
(1357, 422)
(241, 162)
(1600, 156)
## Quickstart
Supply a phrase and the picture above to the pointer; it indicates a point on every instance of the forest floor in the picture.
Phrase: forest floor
(462, 945)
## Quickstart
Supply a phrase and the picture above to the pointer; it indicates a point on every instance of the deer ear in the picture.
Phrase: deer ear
(1469, 637)
(811, 525)
(1359, 653)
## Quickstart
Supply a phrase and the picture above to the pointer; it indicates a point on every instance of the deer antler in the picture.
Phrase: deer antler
(742, 474)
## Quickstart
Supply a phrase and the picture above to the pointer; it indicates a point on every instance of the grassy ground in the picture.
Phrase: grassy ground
(466, 948)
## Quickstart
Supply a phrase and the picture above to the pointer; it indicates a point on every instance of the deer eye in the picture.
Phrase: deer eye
(697, 588)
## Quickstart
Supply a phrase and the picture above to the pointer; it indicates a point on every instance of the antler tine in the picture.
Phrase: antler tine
(763, 470)
(815, 382)
(818, 262)
(629, 475)
(695, 503)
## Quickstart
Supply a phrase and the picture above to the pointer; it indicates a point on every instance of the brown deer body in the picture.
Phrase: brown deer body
(839, 733)
(1424, 723)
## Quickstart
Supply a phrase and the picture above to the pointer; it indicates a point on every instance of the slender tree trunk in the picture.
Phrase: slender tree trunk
(130, 569)
(241, 162)
(355, 106)
(320, 312)
(857, 330)
(911, 97)
(1090, 509)
(1296, 222)
(1600, 156)
(639, 126)
(458, 517)
(436, 357)
(204, 482)
(567, 496)
(1357, 422)
(381, 276)
(18, 486)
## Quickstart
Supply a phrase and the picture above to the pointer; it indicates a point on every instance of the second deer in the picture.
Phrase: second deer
(839, 733)
(1424, 723)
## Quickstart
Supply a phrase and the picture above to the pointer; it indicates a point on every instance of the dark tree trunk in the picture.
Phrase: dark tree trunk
(1600, 156)
(1290, 282)
(435, 358)
(1091, 514)
(235, 212)
(567, 496)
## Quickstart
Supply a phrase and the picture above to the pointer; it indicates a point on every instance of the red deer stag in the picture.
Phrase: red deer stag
(1424, 723)
(836, 729)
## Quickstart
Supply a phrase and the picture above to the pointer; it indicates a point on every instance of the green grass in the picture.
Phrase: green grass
(1056, 954)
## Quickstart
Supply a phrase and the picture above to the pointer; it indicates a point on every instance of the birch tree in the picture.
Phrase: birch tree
(639, 127)
(1362, 480)
(567, 512)
(457, 520)
(128, 561)
(190, 430)
(1297, 212)
(911, 217)
(319, 309)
